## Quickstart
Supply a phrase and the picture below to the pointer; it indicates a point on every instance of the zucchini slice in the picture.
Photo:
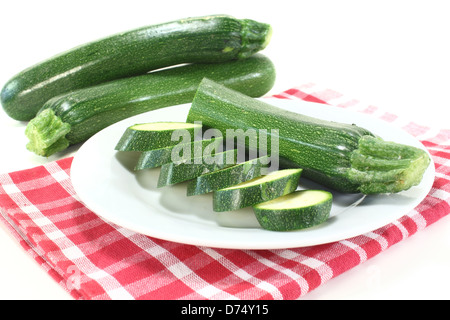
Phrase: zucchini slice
(158, 157)
(261, 189)
(227, 177)
(173, 173)
(298, 210)
(156, 135)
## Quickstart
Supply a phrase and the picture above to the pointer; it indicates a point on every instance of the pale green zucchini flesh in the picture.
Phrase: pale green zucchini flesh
(257, 190)
(298, 210)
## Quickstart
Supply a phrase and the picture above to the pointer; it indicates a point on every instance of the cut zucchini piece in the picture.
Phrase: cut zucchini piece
(178, 153)
(298, 210)
(156, 135)
(173, 173)
(227, 177)
(261, 189)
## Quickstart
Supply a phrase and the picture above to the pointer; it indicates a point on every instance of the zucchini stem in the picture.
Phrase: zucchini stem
(46, 133)
(255, 37)
(380, 166)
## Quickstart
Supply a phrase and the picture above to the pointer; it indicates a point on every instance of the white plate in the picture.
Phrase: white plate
(106, 183)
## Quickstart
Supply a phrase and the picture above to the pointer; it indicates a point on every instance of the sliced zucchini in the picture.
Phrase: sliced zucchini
(257, 190)
(178, 153)
(156, 135)
(227, 177)
(298, 210)
(172, 173)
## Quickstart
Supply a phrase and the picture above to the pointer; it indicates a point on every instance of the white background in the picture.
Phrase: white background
(391, 54)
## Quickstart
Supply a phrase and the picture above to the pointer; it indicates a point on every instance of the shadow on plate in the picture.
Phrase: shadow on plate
(174, 198)
(128, 159)
(341, 201)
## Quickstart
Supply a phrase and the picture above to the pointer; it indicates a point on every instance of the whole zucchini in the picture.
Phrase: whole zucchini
(344, 157)
(76, 116)
(201, 39)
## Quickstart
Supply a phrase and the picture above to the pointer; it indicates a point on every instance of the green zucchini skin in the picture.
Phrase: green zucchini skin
(134, 139)
(84, 112)
(344, 157)
(237, 197)
(172, 173)
(227, 177)
(158, 157)
(301, 217)
(208, 39)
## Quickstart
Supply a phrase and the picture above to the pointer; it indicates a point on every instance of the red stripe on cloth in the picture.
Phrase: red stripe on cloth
(297, 93)
(370, 110)
(370, 246)
(94, 259)
(438, 211)
(389, 117)
(415, 129)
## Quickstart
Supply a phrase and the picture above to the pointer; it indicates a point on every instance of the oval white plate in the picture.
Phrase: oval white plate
(105, 181)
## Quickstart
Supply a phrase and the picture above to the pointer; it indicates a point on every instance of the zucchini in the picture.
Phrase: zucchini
(298, 210)
(200, 39)
(341, 156)
(74, 117)
(155, 135)
(172, 173)
(227, 177)
(158, 157)
(261, 189)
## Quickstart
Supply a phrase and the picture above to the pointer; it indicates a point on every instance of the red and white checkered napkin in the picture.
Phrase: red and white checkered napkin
(94, 259)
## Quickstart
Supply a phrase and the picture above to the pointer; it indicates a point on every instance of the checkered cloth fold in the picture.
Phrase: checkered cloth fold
(95, 259)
